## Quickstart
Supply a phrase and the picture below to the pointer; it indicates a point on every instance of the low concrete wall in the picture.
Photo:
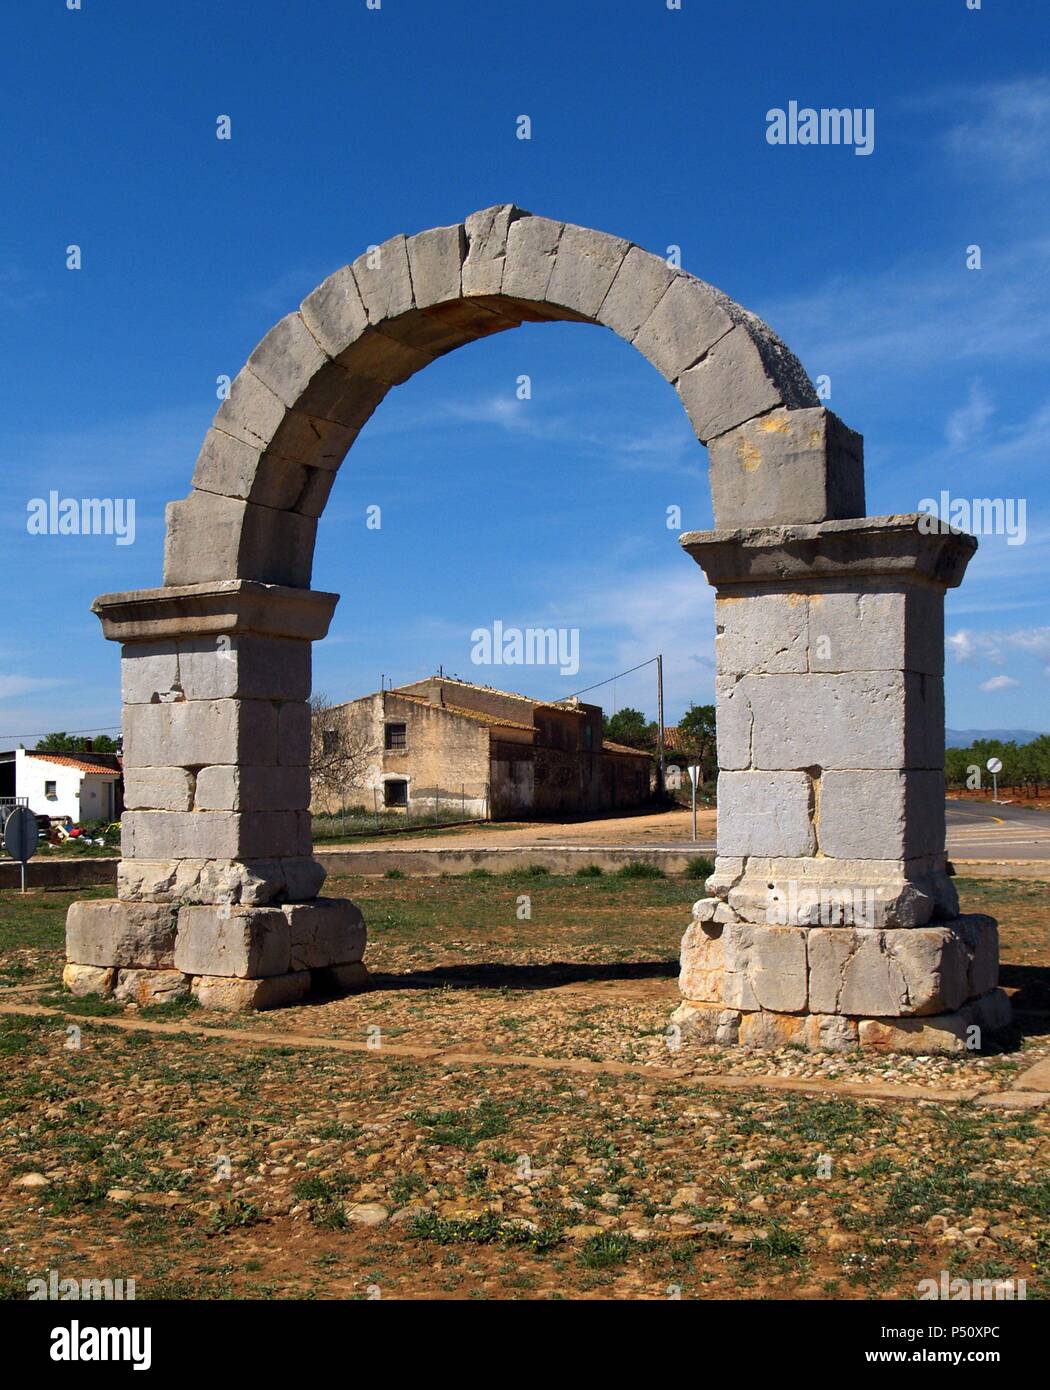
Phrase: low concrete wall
(559, 859)
(59, 873)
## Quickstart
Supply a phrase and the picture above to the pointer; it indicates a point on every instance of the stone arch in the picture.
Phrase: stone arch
(829, 680)
(270, 457)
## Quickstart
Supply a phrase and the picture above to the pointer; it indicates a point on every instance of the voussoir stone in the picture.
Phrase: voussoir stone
(584, 267)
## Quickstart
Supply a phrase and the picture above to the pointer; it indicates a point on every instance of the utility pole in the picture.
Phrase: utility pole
(660, 721)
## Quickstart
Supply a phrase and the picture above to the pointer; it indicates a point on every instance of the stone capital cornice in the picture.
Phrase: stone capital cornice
(223, 606)
(912, 548)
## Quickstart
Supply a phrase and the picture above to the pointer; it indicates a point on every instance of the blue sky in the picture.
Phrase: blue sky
(349, 125)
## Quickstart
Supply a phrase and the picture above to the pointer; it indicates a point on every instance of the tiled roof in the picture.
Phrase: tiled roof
(622, 748)
(81, 764)
(504, 694)
(493, 720)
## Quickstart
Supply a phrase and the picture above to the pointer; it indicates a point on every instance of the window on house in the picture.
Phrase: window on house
(396, 736)
(51, 790)
(395, 793)
(329, 740)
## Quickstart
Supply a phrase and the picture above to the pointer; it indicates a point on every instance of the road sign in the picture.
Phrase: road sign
(995, 766)
(21, 837)
(694, 776)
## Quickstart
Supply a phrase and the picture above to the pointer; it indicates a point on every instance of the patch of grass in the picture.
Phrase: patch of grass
(637, 868)
(174, 1009)
(233, 1215)
(699, 867)
(487, 1229)
(394, 873)
(463, 1129)
(590, 871)
(606, 1251)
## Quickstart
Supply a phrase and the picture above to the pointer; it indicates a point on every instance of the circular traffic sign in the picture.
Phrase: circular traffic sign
(21, 835)
(994, 765)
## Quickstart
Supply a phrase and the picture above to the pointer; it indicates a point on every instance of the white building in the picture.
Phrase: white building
(59, 785)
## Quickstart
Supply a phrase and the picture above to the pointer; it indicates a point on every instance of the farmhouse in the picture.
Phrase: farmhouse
(441, 742)
(83, 786)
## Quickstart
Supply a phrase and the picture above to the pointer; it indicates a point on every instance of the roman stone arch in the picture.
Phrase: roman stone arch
(829, 659)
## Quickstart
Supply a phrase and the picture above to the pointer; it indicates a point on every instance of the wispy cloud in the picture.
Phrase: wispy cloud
(999, 683)
(999, 645)
(1005, 132)
(968, 422)
(12, 686)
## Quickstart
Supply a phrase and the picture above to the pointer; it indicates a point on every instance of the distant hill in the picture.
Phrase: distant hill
(962, 738)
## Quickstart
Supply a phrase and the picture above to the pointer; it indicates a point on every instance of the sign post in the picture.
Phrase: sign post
(694, 775)
(995, 766)
(21, 837)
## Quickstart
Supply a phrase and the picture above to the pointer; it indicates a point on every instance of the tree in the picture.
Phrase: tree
(70, 743)
(339, 753)
(629, 727)
(697, 730)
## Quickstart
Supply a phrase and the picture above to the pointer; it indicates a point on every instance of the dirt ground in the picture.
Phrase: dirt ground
(649, 827)
(501, 1116)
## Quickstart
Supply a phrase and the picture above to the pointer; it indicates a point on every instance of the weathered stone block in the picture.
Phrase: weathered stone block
(831, 1033)
(293, 734)
(329, 931)
(150, 986)
(83, 980)
(762, 634)
(765, 813)
(769, 1031)
(584, 267)
(239, 788)
(245, 666)
(104, 933)
(248, 943)
(892, 973)
(334, 313)
(703, 964)
(232, 468)
(640, 283)
(486, 234)
(698, 1025)
(532, 244)
(287, 359)
(240, 996)
(190, 733)
(830, 892)
(435, 258)
(219, 881)
(735, 724)
(877, 631)
(251, 412)
(862, 720)
(980, 936)
(881, 815)
(339, 979)
(158, 789)
(384, 280)
(787, 466)
(765, 968)
(729, 385)
(219, 834)
(210, 537)
(689, 318)
(967, 1029)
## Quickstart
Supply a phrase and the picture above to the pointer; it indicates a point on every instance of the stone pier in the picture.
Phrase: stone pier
(217, 887)
(832, 920)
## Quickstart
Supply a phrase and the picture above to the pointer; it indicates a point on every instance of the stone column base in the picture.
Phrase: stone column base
(232, 958)
(963, 1030)
(926, 988)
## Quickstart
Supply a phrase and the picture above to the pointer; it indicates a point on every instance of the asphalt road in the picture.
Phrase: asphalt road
(978, 830)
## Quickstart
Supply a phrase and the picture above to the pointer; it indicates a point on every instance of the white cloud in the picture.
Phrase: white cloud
(999, 683)
(969, 420)
(22, 685)
(997, 645)
(1006, 130)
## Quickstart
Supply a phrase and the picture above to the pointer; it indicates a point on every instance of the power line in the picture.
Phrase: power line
(609, 681)
(96, 729)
